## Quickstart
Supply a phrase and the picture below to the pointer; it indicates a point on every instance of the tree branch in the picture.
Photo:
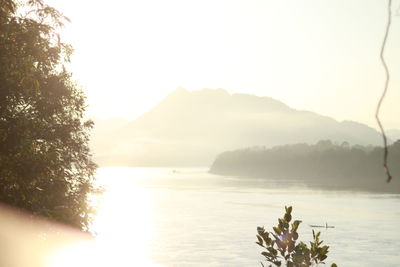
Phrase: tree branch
(386, 152)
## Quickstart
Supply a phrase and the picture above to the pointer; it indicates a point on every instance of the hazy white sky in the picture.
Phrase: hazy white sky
(318, 55)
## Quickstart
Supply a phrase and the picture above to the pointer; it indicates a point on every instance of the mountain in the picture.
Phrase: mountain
(189, 128)
(393, 134)
(102, 138)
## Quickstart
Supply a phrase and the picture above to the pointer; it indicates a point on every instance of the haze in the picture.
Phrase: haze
(308, 54)
(190, 128)
(211, 118)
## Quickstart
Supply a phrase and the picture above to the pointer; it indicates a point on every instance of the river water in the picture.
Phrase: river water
(187, 217)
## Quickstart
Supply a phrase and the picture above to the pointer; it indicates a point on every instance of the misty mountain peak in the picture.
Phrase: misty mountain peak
(191, 127)
(206, 100)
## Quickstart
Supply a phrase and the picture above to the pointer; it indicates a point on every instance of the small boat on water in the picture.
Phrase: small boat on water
(322, 226)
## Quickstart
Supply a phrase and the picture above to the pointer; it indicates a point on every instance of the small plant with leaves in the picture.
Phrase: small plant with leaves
(281, 246)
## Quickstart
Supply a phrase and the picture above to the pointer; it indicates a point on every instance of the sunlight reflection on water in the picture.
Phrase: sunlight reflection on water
(124, 224)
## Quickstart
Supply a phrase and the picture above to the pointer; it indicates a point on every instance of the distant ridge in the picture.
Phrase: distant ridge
(324, 164)
(189, 128)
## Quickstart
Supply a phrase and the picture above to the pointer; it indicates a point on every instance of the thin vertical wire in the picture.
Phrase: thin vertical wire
(386, 152)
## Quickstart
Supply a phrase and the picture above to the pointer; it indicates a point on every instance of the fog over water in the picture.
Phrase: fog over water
(187, 217)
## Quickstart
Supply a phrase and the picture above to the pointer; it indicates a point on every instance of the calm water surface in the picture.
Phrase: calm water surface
(187, 217)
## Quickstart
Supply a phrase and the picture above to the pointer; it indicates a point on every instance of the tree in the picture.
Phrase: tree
(280, 246)
(45, 162)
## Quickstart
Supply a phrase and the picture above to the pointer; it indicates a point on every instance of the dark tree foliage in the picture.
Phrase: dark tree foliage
(324, 164)
(45, 162)
(282, 248)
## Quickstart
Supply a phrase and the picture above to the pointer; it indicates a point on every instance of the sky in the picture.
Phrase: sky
(317, 55)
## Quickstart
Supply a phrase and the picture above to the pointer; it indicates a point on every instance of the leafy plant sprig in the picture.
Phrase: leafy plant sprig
(281, 246)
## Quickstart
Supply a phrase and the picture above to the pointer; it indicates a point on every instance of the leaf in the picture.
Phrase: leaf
(295, 225)
(260, 240)
(260, 230)
(272, 250)
(289, 210)
(277, 263)
(277, 230)
(267, 254)
(288, 217)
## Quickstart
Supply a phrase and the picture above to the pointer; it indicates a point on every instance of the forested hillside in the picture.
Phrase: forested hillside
(325, 164)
